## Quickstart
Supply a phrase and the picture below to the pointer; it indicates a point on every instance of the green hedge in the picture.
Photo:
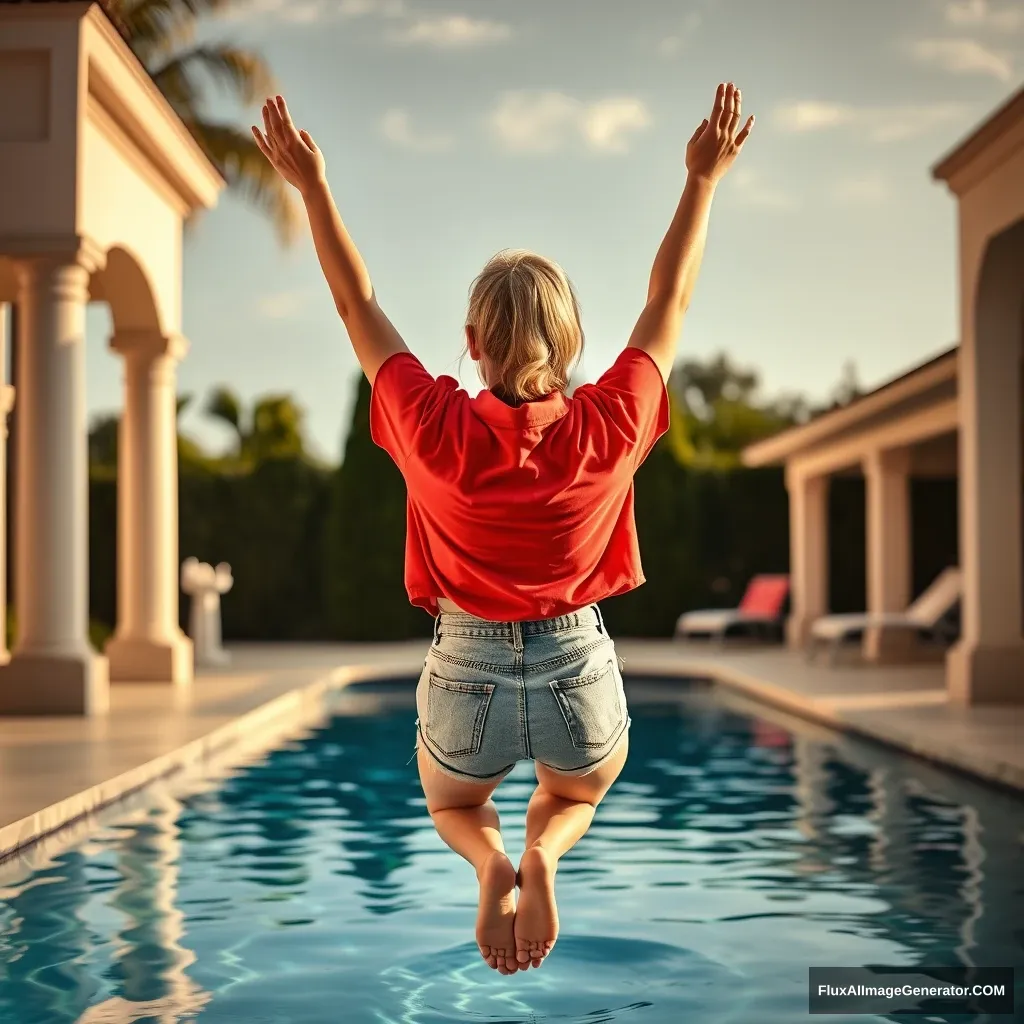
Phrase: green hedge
(318, 554)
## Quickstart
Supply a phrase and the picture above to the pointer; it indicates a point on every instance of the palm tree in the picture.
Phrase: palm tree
(161, 34)
(272, 430)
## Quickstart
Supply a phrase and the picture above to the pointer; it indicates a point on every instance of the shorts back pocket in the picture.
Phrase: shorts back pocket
(456, 713)
(591, 706)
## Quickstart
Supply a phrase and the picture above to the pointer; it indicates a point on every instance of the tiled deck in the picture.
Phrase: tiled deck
(56, 771)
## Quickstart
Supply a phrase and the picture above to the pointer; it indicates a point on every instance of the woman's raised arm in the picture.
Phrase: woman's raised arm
(709, 154)
(299, 161)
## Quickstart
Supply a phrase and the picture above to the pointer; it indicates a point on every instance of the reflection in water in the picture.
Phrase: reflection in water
(310, 888)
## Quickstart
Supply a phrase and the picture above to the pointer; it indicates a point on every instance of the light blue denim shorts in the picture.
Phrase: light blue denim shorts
(495, 693)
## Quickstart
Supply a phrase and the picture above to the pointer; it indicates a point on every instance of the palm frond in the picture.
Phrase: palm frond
(180, 77)
(249, 174)
(224, 405)
(158, 26)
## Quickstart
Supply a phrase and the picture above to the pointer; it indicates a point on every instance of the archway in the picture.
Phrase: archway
(148, 644)
(987, 665)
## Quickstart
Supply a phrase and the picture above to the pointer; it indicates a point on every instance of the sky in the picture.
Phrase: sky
(455, 128)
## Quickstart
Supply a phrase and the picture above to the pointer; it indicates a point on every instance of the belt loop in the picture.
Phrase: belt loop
(600, 619)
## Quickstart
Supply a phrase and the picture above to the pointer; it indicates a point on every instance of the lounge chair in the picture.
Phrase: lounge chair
(925, 615)
(761, 606)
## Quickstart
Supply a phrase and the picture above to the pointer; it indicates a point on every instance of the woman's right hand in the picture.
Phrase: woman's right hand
(715, 144)
(293, 153)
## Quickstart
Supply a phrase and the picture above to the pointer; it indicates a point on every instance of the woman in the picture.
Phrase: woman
(520, 519)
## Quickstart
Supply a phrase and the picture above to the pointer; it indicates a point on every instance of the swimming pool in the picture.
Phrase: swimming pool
(738, 848)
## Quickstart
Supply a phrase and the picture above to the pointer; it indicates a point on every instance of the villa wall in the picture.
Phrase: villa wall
(39, 65)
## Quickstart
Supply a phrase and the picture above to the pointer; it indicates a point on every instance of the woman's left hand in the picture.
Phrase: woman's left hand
(293, 153)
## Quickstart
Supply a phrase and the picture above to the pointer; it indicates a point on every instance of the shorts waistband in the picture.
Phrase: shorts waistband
(463, 624)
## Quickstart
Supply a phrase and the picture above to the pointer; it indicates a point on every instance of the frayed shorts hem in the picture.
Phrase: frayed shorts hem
(486, 780)
(454, 773)
(576, 773)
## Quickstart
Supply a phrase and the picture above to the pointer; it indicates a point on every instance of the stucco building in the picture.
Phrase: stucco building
(959, 414)
(97, 176)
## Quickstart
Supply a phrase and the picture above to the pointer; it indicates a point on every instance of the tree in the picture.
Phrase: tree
(848, 389)
(365, 544)
(161, 34)
(716, 412)
(274, 430)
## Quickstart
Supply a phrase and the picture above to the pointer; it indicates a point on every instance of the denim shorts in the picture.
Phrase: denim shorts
(495, 693)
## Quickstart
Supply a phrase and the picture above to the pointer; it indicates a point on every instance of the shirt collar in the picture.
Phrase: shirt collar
(497, 413)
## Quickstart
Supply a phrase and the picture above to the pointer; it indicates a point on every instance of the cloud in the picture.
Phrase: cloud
(540, 122)
(396, 126)
(751, 190)
(964, 57)
(452, 31)
(306, 12)
(982, 15)
(878, 124)
(281, 305)
(861, 190)
(606, 125)
(671, 45)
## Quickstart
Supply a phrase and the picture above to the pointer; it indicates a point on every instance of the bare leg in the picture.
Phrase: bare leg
(467, 820)
(560, 812)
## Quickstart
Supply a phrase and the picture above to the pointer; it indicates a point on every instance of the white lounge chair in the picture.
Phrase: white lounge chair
(923, 615)
(761, 606)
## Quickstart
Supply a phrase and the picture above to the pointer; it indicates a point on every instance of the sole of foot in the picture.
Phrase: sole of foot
(495, 934)
(536, 926)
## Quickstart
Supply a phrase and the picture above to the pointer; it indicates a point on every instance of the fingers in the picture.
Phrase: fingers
(699, 132)
(262, 143)
(308, 140)
(728, 106)
(273, 117)
(282, 109)
(737, 107)
(745, 134)
(268, 124)
(716, 111)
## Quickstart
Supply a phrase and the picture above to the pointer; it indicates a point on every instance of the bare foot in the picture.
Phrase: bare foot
(494, 922)
(537, 914)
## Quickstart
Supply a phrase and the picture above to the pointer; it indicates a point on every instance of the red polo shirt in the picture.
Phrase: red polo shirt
(519, 513)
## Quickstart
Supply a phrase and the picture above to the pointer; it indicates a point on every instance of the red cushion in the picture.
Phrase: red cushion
(765, 596)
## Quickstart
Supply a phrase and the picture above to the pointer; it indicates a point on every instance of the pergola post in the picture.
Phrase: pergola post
(808, 553)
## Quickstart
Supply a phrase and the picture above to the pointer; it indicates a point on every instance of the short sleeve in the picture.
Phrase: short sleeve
(631, 395)
(404, 401)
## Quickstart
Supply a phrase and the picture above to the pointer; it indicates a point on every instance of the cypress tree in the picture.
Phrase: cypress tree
(365, 544)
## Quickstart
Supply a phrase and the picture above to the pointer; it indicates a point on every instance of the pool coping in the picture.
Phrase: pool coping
(250, 734)
(267, 725)
(976, 762)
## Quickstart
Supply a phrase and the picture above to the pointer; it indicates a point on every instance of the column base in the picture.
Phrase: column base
(890, 646)
(798, 631)
(42, 684)
(151, 661)
(985, 675)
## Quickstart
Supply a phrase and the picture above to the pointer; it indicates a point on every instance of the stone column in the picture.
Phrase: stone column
(987, 664)
(53, 669)
(887, 479)
(6, 404)
(808, 553)
(148, 645)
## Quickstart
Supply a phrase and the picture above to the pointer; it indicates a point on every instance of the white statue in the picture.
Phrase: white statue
(205, 583)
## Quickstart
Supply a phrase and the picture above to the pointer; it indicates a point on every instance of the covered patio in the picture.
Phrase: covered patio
(957, 416)
(99, 176)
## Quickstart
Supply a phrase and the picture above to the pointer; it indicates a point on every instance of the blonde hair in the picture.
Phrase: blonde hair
(526, 318)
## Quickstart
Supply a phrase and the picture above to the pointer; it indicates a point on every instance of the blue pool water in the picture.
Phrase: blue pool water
(735, 851)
